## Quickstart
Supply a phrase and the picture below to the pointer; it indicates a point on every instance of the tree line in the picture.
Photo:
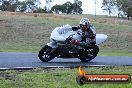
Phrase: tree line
(124, 7)
(34, 6)
(68, 8)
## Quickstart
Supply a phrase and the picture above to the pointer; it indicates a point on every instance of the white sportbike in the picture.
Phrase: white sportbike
(85, 52)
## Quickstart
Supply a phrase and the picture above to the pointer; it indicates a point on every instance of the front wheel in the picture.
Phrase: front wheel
(92, 53)
(45, 54)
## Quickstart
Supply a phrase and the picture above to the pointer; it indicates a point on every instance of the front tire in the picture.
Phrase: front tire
(45, 54)
(91, 55)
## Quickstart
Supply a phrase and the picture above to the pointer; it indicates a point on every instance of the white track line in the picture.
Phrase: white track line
(29, 68)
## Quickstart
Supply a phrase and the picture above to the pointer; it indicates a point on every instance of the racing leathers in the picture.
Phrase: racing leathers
(60, 34)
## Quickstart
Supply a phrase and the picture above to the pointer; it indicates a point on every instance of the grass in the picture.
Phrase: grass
(58, 78)
(26, 33)
(114, 53)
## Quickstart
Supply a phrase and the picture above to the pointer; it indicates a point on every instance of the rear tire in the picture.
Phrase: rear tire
(45, 54)
(87, 58)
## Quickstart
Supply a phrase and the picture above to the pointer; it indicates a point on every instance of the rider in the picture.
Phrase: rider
(85, 31)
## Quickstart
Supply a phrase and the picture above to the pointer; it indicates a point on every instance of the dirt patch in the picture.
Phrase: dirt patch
(7, 76)
(114, 21)
(128, 35)
(57, 16)
(3, 22)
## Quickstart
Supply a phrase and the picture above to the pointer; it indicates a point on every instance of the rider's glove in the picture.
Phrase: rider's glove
(68, 40)
(74, 42)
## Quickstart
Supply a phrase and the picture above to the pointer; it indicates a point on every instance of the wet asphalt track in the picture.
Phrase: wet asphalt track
(16, 60)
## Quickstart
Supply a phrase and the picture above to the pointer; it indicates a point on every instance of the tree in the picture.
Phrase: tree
(4, 5)
(48, 5)
(69, 8)
(56, 8)
(22, 7)
(1, 1)
(40, 10)
(13, 5)
(13, 1)
(32, 5)
(10, 5)
(77, 7)
(125, 7)
(108, 6)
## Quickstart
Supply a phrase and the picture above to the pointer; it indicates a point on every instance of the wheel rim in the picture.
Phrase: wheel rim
(46, 56)
(89, 56)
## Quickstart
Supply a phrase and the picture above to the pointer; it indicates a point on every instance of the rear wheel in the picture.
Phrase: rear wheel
(45, 54)
(92, 53)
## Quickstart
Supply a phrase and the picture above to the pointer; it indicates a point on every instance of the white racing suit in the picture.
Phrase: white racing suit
(62, 33)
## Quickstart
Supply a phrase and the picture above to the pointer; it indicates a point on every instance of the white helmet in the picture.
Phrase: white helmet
(84, 21)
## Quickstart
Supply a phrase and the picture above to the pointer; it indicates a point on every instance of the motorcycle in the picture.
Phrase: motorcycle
(85, 52)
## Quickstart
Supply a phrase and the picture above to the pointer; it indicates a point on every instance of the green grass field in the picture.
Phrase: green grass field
(26, 33)
(58, 78)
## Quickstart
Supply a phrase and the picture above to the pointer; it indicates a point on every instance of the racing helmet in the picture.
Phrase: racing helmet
(84, 21)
